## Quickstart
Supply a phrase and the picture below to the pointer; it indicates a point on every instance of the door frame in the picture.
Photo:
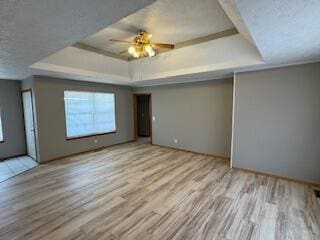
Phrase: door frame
(24, 123)
(135, 114)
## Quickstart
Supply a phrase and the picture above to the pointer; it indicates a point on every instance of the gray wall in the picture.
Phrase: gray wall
(277, 122)
(199, 115)
(12, 119)
(52, 143)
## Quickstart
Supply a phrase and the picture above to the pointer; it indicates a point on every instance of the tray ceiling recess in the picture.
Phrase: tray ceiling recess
(187, 43)
(180, 22)
(198, 39)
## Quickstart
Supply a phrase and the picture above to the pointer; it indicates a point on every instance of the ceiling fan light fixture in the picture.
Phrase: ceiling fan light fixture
(141, 50)
(132, 50)
(152, 53)
(141, 45)
(148, 48)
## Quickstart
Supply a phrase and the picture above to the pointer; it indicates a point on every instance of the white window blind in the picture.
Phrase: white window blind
(89, 113)
(1, 130)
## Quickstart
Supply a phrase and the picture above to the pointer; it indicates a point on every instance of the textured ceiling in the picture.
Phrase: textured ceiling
(230, 8)
(168, 21)
(283, 31)
(31, 30)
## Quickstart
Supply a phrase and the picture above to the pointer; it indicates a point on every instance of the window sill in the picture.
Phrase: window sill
(87, 136)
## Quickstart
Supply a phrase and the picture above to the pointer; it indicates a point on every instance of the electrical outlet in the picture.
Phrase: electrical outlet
(175, 140)
(95, 140)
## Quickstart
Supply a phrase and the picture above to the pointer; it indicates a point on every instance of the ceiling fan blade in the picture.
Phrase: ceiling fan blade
(121, 41)
(123, 52)
(163, 45)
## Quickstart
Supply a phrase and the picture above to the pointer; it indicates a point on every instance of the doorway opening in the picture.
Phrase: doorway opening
(13, 166)
(29, 124)
(142, 118)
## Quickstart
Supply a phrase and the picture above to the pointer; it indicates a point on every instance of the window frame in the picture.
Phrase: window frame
(1, 126)
(93, 134)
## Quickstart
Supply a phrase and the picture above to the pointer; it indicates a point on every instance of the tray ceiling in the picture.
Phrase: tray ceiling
(223, 36)
(168, 21)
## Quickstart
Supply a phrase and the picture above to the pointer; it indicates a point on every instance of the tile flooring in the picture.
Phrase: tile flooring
(14, 166)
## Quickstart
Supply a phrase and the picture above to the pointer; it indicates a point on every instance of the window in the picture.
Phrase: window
(89, 113)
(1, 131)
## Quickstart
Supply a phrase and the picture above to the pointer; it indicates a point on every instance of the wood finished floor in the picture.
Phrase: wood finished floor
(140, 191)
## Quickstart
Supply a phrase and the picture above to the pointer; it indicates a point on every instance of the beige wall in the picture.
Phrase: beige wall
(199, 115)
(51, 128)
(277, 122)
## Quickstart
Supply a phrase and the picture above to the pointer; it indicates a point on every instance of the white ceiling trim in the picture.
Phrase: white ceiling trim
(75, 58)
(40, 68)
(220, 55)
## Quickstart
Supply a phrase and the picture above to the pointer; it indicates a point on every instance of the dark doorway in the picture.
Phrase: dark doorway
(142, 106)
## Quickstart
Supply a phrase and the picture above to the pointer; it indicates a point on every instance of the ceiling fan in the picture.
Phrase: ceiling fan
(141, 46)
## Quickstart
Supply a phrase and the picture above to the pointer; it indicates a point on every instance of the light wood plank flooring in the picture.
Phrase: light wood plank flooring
(139, 191)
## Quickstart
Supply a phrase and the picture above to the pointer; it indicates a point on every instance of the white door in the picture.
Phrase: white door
(29, 124)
